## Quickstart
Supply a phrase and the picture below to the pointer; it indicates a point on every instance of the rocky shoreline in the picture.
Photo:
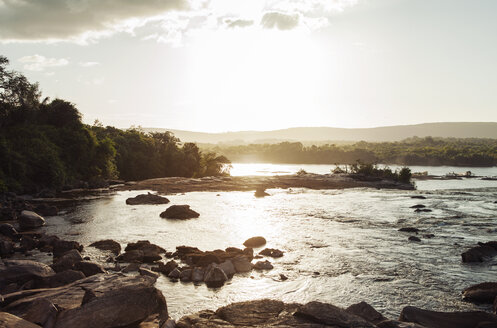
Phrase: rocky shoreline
(76, 291)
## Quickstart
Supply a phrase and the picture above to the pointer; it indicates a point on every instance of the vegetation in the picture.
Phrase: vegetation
(44, 144)
(372, 170)
(412, 151)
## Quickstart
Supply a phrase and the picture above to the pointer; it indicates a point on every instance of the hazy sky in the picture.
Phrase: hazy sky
(225, 65)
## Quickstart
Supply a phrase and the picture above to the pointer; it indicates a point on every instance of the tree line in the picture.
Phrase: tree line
(45, 144)
(411, 151)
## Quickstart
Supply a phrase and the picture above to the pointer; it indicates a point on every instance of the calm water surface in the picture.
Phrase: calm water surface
(350, 237)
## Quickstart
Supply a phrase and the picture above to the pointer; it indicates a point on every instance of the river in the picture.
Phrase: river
(341, 246)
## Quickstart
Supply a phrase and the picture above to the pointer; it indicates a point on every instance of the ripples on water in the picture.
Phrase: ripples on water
(349, 236)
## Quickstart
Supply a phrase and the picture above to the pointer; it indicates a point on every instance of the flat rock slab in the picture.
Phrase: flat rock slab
(433, 319)
(481, 293)
(21, 271)
(147, 199)
(8, 320)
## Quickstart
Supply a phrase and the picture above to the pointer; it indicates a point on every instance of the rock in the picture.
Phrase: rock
(204, 260)
(250, 313)
(186, 275)
(8, 230)
(151, 252)
(107, 245)
(179, 212)
(367, 312)
(6, 247)
(434, 319)
(67, 261)
(60, 247)
(89, 268)
(228, 268)
(147, 199)
(418, 197)
(215, 277)
(119, 301)
(147, 272)
(60, 279)
(414, 238)
(134, 256)
(46, 210)
(28, 243)
(272, 252)
(242, 264)
(131, 267)
(418, 210)
(481, 293)
(283, 277)
(428, 235)
(329, 314)
(480, 253)
(30, 220)
(197, 274)
(255, 242)
(409, 229)
(418, 206)
(8, 320)
(174, 274)
(7, 214)
(263, 265)
(260, 192)
(398, 324)
(22, 271)
(168, 267)
(41, 312)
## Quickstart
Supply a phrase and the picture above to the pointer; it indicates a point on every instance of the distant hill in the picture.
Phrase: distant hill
(321, 134)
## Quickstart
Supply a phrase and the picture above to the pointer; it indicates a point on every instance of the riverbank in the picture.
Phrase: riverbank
(250, 183)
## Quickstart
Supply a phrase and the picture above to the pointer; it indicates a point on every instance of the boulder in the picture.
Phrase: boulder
(89, 268)
(263, 265)
(260, 192)
(40, 312)
(242, 264)
(116, 301)
(255, 242)
(367, 312)
(107, 245)
(204, 260)
(30, 220)
(67, 261)
(197, 274)
(60, 247)
(147, 199)
(6, 247)
(168, 267)
(434, 319)
(8, 230)
(179, 212)
(22, 271)
(418, 206)
(228, 268)
(151, 252)
(271, 252)
(186, 275)
(409, 229)
(331, 315)
(480, 253)
(131, 267)
(481, 293)
(60, 279)
(414, 238)
(8, 320)
(174, 274)
(215, 277)
(147, 272)
(134, 256)
(46, 210)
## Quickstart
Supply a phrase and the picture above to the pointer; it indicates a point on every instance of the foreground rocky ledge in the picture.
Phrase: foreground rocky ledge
(247, 183)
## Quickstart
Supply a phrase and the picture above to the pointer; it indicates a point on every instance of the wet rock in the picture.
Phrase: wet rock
(428, 235)
(60, 279)
(22, 271)
(204, 259)
(151, 252)
(147, 199)
(8, 230)
(283, 277)
(197, 274)
(418, 210)
(263, 265)
(61, 247)
(89, 268)
(40, 312)
(168, 267)
(272, 252)
(215, 277)
(261, 192)
(414, 238)
(480, 253)
(409, 229)
(134, 256)
(28, 243)
(131, 267)
(241, 264)
(8, 320)
(119, 301)
(179, 212)
(107, 245)
(185, 275)
(367, 312)
(46, 210)
(255, 242)
(147, 272)
(434, 319)
(418, 206)
(30, 220)
(481, 293)
(418, 197)
(67, 261)
(228, 268)
(174, 274)
(329, 314)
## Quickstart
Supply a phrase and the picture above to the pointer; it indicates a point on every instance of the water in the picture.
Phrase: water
(350, 237)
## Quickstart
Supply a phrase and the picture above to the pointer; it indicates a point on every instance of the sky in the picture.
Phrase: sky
(230, 65)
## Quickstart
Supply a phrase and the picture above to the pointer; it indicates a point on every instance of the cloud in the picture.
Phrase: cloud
(238, 23)
(280, 21)
(40, 63)
(35, 20)
(89, 64)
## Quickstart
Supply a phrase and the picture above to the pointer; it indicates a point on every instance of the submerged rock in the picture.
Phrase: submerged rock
(480, 253)
(435, 319)
(409, 229)
(272, 252)
(179, 212)
(147, 199)
(255, 242)
(30, 220)
(414, 238)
